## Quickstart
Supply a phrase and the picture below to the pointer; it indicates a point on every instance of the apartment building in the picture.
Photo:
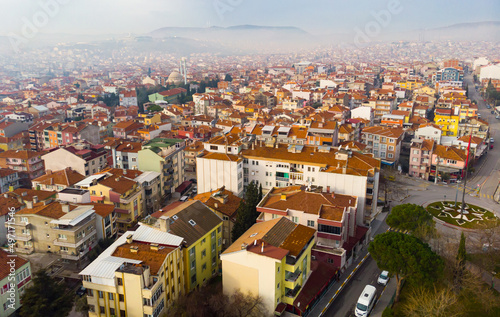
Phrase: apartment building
(9, 180)
(63, 134)
(339, 170)
(85, 159)
(60, 228)
(224, 204)
(57, 180)
(140, 274)
(164, 156)
(429, 131)
(126, 155)
(332, 215)
(448, 162)
(201, 230)
(36, 134)
(124, 128)
(421, 157)
(190, 153)
(271, 260)
(18, 276)
(447, 120)
(28, 164)
(119, 190)
(383, 142)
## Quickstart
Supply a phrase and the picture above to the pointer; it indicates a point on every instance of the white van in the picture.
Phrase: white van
(184, 198)
(365, 301)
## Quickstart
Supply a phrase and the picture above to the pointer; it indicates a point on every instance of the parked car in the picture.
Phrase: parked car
(492, 140)
(497, 117)
(184, 198)
(492, 111)
(81, 291)
(383, 278)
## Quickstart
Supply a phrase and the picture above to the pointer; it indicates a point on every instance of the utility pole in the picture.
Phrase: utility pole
(465, 179)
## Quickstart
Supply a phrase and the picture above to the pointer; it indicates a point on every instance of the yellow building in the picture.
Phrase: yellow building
(123, 192)
(140, 274)
(410, 84)
(150, 118)
(272, 259)
(201, 229)
(425, 90)
(447, 120)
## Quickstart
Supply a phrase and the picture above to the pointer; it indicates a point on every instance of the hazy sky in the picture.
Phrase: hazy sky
(315, 16)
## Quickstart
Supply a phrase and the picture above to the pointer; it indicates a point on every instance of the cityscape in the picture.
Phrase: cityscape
(233, 158)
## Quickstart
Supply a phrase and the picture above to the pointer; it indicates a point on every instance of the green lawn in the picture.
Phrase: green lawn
(487, 219)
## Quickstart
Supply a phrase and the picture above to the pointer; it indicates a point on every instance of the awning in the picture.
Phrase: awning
(96, 198)
(280, 309)
(121, 211)
(388, 163)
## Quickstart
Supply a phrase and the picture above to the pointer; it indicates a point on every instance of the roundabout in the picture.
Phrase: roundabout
(474, 217)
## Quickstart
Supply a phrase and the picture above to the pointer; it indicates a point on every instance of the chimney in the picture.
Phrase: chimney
(283, 196)
(262, 249)
(129, 239)
(277, 145)
(165, 224)
(253, 145)
(254, 242)
(244, 246)
(48, 172)
(35, 199)
(29, 204)
(154, 246)
(65, 208)
(216, 205)
(134, 249)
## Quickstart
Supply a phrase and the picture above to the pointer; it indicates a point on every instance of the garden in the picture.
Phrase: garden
(473, 217)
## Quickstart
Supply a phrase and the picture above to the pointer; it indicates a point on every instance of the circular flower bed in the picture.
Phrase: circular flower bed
(473, 217)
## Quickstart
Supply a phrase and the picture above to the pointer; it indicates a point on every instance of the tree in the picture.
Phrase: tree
(247, 211)
(411, 217)
(155, 108)
(228, 78)
(45, 297)
(459, 269)
(261, 195)
(82, 306)
(406, 257)
(424, 302)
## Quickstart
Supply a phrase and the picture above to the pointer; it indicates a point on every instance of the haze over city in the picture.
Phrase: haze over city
(249, 158)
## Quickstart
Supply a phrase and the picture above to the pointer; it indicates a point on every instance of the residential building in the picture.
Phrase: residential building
(9, 180)
(448, 73)
(15, 277)
(83, 158)
(9, 129)
(124, 128)
(8, 205)
(338, 238)
(224, 204)
(57, 180)
(383, 142)
(164, 156)
(128, 98)
(448, 120)
(448, 162)
(37, 137)
(272, 260)
(340, 170)
(221, 165)
(124, 193)
(191, 152)
(105, 220)
(420, 160)
(140, 274)
(126, 155)
(61, 228)
(28, 164)
(429, 131)
(201, 230)
(74, 195)
(59, 134)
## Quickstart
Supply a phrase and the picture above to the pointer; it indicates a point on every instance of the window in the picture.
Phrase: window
(310, 223)
(390, 155)
(112, 311)
(214, 147)
(101, 294)
(193, 264)
(278, 286)
(213, 234)
(219, 242)
(203, 267)
(329, 229)
(102, 311)
(121, 298)
(111, 296)
(192, 251)
(295, 219)
(203, 253)
(62, 236)
(91, 308)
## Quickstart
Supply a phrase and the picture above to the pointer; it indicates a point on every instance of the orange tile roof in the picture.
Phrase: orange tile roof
(51, 210)
(451, 153)
(152, 258)
(118, 184)
(5, 265)
(65, 177)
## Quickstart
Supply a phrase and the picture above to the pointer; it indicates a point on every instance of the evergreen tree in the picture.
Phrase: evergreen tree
(228, 78)
(260, 192)
(247, 211)
(46, 297)
(461, 259)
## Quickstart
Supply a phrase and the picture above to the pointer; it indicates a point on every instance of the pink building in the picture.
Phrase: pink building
(420, 158)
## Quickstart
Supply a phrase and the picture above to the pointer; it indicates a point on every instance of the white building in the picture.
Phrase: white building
(362, 113)
(429, 131)
(490, 72)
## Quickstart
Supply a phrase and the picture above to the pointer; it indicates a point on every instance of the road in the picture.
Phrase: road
(487, 173)
(344, 304)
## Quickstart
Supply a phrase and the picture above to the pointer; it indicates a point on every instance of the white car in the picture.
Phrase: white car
(383, 278)
(492, 140)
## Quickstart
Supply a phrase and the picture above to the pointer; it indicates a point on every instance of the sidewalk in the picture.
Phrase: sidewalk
(322, 305)
(385, 298)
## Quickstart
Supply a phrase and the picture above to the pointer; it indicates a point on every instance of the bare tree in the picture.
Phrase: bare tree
(432, 302)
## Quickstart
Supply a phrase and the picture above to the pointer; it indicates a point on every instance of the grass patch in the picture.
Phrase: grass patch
(477, 217)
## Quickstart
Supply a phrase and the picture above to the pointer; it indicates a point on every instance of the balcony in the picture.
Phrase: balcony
(24, 237)
(25, 249)
(282, 179)
(292, 293)
(65, 243)
(292, 276)
(22, 224)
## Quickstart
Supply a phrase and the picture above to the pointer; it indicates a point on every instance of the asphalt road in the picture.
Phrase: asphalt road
(344, 304)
